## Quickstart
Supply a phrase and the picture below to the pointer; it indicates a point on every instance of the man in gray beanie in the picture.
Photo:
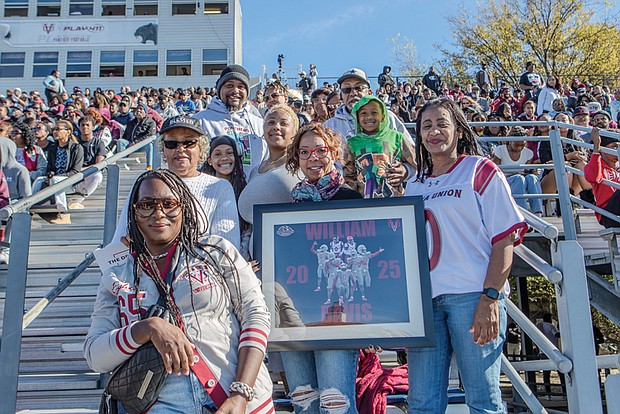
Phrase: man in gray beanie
(230, 113)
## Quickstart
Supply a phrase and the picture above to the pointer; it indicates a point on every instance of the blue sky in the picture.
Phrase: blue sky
(339, 34)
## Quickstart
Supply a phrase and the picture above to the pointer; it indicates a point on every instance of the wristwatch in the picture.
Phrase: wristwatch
(491, 293)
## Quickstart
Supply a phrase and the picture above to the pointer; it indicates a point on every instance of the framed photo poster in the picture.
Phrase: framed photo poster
(345, 274)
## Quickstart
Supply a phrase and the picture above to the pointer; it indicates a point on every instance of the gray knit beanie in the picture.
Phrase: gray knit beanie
(233, 72)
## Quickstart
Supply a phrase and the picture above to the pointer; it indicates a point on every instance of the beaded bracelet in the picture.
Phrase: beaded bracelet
(242, 389)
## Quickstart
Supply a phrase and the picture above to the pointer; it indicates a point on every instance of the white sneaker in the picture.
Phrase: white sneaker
(4, 257)
(76, 206)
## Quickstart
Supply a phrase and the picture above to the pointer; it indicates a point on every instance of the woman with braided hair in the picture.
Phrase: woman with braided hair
(473, 226)
(216, 337)
(28, 154)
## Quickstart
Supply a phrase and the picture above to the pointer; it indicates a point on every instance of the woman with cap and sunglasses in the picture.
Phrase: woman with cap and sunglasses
(184, 147)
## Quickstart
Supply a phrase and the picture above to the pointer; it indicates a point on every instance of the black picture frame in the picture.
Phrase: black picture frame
(391, 271)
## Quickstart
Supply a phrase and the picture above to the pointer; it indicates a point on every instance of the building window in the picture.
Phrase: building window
(145, 8)
(213, 61)
(145, 62)
(183, 7)
(112, 63)
(48, 8)
(78, 64)
(216, 8)
(15, 8)
(44, 64)
(113, 7)
(81, 8)
(179, 63)
(12, 64)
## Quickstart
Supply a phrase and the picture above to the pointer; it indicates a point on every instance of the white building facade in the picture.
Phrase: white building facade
(111, 43)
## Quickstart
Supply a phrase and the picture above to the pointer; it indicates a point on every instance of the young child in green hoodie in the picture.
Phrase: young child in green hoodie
(377, 159)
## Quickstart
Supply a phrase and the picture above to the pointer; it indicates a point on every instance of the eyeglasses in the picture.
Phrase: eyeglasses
(274, 95)
(187, 144)
(320, 152)
(38, 128)
(347, 91)
(169, 206)
(16, 132)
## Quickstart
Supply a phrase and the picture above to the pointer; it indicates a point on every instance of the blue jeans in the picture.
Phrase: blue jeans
(479, 366)
(123, 144)
(181, 394)
(322, 381)
(526, 184)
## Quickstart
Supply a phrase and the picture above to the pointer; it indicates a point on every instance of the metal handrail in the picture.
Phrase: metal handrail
(50, 296)
(8, 211)
(560, 361)
(550, 273)
(548, 230)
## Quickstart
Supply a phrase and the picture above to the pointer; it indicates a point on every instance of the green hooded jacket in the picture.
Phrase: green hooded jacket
(368, 157)
(386, 140)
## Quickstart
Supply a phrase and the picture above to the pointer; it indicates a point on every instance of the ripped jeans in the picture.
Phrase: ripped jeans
(322, 381)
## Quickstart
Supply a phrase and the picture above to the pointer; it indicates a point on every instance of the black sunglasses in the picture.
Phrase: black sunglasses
(187, 144)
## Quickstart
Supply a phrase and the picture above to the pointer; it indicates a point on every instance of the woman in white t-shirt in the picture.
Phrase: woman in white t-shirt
(473, 224)
(525, 182)
(549, 93)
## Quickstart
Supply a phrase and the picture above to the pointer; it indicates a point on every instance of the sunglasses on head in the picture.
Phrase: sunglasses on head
(171, 207)
(187, 144)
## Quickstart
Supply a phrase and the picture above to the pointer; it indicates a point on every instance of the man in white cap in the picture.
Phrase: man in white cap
(353, 85)
(230, 113)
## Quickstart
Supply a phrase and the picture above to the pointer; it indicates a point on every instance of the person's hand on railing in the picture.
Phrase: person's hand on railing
(596, 139)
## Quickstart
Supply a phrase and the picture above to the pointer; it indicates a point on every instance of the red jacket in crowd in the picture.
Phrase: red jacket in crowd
(595, 171)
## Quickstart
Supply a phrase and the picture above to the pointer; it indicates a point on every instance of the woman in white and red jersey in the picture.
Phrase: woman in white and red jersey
(214, 345)
(473, 224)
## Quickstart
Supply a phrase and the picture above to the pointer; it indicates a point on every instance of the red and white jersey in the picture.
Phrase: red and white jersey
(467, 209)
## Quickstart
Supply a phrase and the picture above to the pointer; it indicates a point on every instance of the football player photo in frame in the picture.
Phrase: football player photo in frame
(345, 274)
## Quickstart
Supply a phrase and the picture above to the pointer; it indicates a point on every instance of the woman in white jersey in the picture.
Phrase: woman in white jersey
(473, 224)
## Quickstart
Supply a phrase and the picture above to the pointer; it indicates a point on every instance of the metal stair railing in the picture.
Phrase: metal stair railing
(14, 319)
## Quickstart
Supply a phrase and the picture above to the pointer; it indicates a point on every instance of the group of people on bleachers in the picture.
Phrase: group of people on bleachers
(189, 226)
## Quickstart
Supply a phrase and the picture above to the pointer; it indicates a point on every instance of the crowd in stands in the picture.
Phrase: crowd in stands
(347, 140)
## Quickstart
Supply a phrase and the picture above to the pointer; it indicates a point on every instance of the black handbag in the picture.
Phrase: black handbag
(137, 382)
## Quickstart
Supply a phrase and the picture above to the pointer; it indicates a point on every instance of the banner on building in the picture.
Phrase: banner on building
(70, 32)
